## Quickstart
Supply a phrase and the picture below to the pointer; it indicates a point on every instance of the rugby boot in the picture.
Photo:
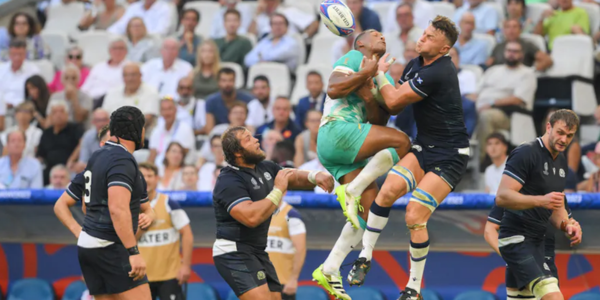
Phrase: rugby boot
(410, 294)
(331, 283)
(350, 205)
(359, 271)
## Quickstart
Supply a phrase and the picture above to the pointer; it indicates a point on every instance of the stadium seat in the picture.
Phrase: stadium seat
(301, 48)
(536, 39)
(535, 11)
(321, 48)
(31, 289)
(589, 134)
(278, 74)
(232, 296)
(300, 85)
(490, 40)
(522, 128)
(174, 18)
(593, 11)
(430, 295)
(249, 6)
(141, 155)
(239, 73)
(58, 42)
(446, 9)
(207, 11)
(95, 46)
(65, 17)
(499, 7)
(475, 69)
(382, 9)
(479, 295)
(587, 296)
(201, 291)
(311, 293)
(253, 39)
(74, 290)
(46, 69)
(366, 293)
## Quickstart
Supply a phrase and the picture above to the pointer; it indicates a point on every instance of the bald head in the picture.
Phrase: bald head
(132, 76)
(467, 24)
(100, 118)
(184, 87)
(169, 51)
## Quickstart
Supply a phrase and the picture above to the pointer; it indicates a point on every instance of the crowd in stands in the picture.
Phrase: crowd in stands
(195, 68)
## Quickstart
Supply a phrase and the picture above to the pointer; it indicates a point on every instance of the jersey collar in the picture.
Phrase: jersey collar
(116, 145)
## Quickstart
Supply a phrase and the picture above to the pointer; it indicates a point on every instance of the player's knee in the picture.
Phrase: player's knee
(513, 294)
(545, 286)
(414, 218)
(388, 194)
(422, 198)
(401, 143)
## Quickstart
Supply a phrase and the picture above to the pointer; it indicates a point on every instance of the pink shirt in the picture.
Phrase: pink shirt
(56, 84)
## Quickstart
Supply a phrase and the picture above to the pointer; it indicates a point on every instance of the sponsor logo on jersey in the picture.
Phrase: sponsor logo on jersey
(260, 275)
(417, 147)
(254, 183)
(546, 168)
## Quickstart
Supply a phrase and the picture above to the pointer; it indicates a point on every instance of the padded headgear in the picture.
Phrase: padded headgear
(127, 122)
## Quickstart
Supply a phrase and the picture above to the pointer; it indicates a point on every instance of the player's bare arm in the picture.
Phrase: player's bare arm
(560, 220)
(376, 114)
(63, 213)
(490, 234)
(341, 84)
(301, 179)
(187, 247)
(395, 98)
(509, 197)
(145, 220)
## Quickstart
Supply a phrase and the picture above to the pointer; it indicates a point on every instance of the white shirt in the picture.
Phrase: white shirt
(258, 114)
(180, 132)
(157, 18)
(12, 84)
(423, 13)
(467, 81)
(206, 177)
(182, 116)
(315, 165)
(165, 81)
(493, 175)
(146, 99)
(217, 27)
(395, 46)
(33, 135)
(102, 78)
(298, 19)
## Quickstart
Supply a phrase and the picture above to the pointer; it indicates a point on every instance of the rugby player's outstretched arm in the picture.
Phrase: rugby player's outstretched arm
(120, 214)
(490, 234)
(301, 179)
(63, 213)
(508, 196)
(560, 220)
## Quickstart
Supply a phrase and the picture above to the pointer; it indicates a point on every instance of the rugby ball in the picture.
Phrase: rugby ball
(337, 17)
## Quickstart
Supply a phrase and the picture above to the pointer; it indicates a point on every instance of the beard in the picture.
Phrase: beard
(253, 158)
(512, 62)
(227, 92)
(185, 100)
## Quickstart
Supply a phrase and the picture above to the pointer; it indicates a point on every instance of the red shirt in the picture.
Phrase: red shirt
(56, 84)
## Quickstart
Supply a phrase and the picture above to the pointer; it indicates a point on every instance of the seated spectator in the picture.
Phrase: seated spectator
(156, 14)
(364, 17)
(172, 131)
(472, 51)
(407, 30)
(207, 171)
(306, 142)
(36, 92)
(517, 9)
(141, 47)
(219, 103)
(233, 47)
(532, 55)
(79, 103)
(593, 183)
(170, 170)
(189, 178)
(269, 139)
(74, 56)
(14, 73)
(90, 142)
(205, 72)
(106, 75)
(283, 154)
(18, 171)
(282, 121)
(301, 22)
(190, 109)
(59, 178)
(163, 73)
(218, 28)
(133, 93)
(109, 13)
(467, 81)
(23, 117)
(423, 13)
(315, 99)
(60, 140)
(568, 19)
(496, 147)
(23, 26)
(189, 40)
(485, 16)
(504, 89)
(260, 110)
(277, 47)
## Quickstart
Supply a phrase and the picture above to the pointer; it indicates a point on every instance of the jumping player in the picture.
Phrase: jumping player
(531, 191)
(351, 131)
(439, 154)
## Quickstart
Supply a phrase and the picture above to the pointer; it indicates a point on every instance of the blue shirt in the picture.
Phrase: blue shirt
(474, 52)
(486, 17)
(216, 106)
(307, 103)
(289, 133)
(284, 51)
(183, 50)
(28, 176)
(369, 20)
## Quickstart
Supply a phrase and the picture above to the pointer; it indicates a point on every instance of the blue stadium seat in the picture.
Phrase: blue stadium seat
(311, 293)
(587, 296)
(31, 289)
(475, 295)
(232, 296)
(430, 295)
(201, 291)
(74, 290)
(365, 293)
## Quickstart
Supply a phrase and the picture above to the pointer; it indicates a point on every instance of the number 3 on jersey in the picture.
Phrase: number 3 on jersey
(88, 186)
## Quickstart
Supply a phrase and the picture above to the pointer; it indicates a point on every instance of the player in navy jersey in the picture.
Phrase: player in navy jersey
(439, 154)
(246, 194)
(531, 192)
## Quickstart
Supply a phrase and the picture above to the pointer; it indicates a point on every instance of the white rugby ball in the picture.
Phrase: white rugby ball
(337, 17)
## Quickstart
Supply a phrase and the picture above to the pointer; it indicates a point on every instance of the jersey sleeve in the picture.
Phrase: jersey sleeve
(569, 212)
(496, 214)
(122, 173)
(425, 83)
(519, 163)
(349, 63)
(295, 223)
(179, 217)
(76, 188)
(407, 70)
(144, 192)
(273, 168)
(230, 191)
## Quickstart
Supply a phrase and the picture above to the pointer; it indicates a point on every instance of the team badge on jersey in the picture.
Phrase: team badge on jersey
(561, 172)
(546, 168)
(260, 275)
(268, 176)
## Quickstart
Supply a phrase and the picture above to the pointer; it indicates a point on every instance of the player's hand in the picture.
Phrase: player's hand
(325, 181)
(282, 179)
(138, 267)
(575, 234)
(184, 274)
(384, 64)
(553, 200)
(290, 287)
(369, 65)
(144, 221)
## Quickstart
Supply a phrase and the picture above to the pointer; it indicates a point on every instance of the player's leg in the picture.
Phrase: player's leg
(275, 296)
(171, 290)
(512, 290)
(140, 292)
(275, 287)
(546, 288)
(261, 292)
(244, 273)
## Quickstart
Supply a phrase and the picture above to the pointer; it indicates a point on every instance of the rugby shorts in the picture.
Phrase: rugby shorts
(244, 271)
(448, 163)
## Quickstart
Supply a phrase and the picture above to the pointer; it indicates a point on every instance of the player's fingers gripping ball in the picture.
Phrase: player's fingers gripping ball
(337, 17)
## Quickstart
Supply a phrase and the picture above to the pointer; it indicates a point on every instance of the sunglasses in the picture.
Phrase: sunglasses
(71, 56)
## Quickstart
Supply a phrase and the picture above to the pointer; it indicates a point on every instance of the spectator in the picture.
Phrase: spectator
(342, 46)
(301, 22)
(207, 171)
(496, 147)
(79, 103)
(517, 9)
(238, 114)
(218, 28)
(283, 154)
(233, 47)
(532, 55)
(133, 93)
(189, 178)
(24, 116)
(407, 30)
(36, 92)
(106, 75)
(163, 73)
(189, 40)
(156, 14)
(364, 17)
(110, 13)
(593, 183)
(286, 245)
(170, 169)
(14, 73)
(75, 57)
(306, 142)
(205, 72)
(315, 99)
(269, 139)
(396, 70)
(59, 178)
(422, 11)
(90, 142)
(141, 47)
(467, 81)
(472, 51)
(277, 47)
(16, 170)
(485, 16)
(60, 140)
(281, 121)
(567, 20)
(504, 89)
(219, 103)
(23, 26)
(260, 110)
(190, 109)
(172, 131)
(410, 51)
